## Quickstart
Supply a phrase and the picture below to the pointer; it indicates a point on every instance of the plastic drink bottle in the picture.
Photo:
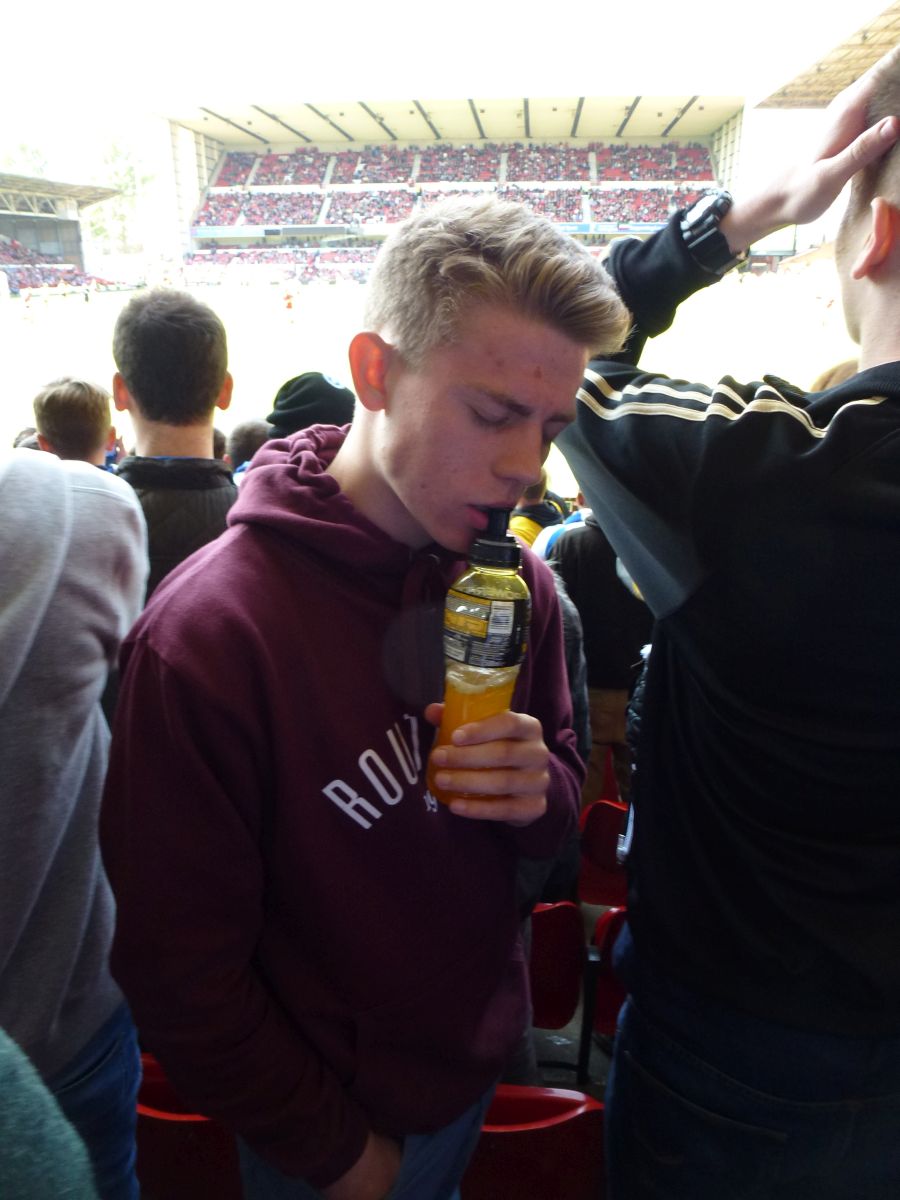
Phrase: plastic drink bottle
(486, 618)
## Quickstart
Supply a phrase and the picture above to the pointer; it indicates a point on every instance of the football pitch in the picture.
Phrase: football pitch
(787, 324)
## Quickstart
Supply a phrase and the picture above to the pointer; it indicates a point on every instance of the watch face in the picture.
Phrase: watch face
(718, 202)
(703, 205)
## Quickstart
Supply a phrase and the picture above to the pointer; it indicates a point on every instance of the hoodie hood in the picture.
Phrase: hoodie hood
(288, 490)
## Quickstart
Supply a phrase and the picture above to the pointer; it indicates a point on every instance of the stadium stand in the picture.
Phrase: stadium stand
(557, 204)
(301, 167)
(595, 188)
(236, 169)
(384, 164)
(459, 164)
(356, 208)
(548, 163)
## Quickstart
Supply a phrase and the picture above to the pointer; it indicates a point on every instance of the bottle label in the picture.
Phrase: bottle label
(485, 633)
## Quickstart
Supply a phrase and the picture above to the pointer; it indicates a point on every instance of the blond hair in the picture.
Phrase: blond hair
(439, 264)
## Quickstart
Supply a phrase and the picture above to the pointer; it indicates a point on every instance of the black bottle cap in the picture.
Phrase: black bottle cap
(495, 547)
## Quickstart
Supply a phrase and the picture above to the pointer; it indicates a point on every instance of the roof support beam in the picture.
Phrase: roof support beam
(283, 124)
(234, 125)
(379, 120)
(474, 112)
(328, 120)
(425, 117)
(635, 102)
(527, 111)
(671, 125)
(579, 106)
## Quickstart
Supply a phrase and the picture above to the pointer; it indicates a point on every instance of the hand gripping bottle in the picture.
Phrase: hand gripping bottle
(486, 618)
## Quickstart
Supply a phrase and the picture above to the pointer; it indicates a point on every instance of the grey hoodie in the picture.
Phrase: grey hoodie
(73, 564)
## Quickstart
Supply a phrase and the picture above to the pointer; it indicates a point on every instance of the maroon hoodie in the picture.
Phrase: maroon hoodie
(311, 946)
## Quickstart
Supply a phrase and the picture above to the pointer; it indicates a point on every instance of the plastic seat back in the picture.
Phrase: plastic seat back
(538, 1144)
(556, 963)
(601, 878)
(610, 995)
(181, 1155)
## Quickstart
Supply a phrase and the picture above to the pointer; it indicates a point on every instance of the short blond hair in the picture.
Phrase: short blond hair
(442, 262)
(73, 415)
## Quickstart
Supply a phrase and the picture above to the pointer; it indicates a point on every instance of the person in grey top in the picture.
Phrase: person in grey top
(73, 549)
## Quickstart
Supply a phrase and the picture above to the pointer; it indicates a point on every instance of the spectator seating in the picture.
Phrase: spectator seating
(549, 163)
(459, 164)
(556, 204)
(236, 169)
(384, 164)
(359, 208)
(181, 1155)
(542, 1143)
(303, 166)
(538, 1144)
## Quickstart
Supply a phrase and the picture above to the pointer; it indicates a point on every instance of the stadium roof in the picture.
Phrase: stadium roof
(253, 127)
(637, 115)
(817, 86)
(82, 194)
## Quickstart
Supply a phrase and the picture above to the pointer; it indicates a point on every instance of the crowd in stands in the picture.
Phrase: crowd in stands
(384, 164)
(26, 268)
(548, 163)
(15, 253)
(236, 169)
(345, 164)
(668, 161)
(387, 206)
(459, 164)
(220, 209)
(557, 204)
(306, 264)
(303, 166)
(638, 205)
(282, 208)
(442, 162)
(353, 208)
(260, 208)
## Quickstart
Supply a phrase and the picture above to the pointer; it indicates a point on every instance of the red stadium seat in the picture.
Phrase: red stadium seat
(538, 1144)
(608, 994)
(601, 878)
(181, 1155)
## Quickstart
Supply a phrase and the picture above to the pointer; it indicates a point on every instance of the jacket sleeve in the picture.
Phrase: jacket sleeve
(654, 456)
(543, 691)
(653, 277)
(182, 825)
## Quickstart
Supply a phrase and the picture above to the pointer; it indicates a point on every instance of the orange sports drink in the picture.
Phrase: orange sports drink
(486, 616)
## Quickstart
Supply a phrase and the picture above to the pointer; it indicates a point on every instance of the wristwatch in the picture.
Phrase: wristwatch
(706, 243)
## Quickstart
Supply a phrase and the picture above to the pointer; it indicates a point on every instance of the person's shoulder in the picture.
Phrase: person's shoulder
(90, 484)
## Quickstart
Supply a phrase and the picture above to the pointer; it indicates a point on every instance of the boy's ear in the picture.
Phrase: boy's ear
(224, 397)
(370, 356)
(121, 394)
(881, 239)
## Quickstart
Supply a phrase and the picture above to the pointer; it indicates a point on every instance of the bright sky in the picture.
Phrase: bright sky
(107, 72)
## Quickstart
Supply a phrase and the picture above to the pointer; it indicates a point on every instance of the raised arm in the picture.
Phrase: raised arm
(809, 187)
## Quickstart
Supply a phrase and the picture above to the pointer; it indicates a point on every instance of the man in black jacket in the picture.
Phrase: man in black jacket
(172, 360)
(759, 1051)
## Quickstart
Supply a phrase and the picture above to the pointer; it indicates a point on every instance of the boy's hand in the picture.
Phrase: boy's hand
(372, 1176)
(502, 761)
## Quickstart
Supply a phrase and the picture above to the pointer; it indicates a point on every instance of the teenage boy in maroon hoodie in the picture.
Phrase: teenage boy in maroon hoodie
(322, 957)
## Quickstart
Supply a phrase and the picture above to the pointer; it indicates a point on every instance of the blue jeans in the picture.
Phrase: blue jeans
(704, 1103)
(97, 1091)
(431, 1168)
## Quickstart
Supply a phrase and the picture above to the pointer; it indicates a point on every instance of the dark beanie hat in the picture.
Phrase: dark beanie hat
(310, 399)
